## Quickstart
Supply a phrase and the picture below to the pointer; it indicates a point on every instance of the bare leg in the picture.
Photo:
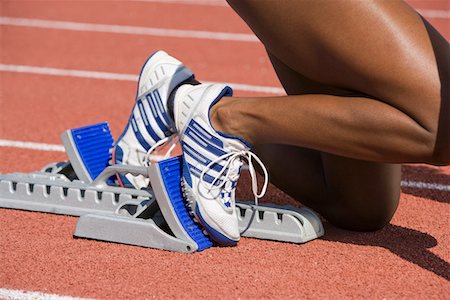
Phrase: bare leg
(396, 119)
(361, 94)
(350, 193)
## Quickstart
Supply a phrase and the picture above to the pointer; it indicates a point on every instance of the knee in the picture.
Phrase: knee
(435, 149)
(432, 133)
(440, 152)
(372, 220)
(426, 143)
(441, 158)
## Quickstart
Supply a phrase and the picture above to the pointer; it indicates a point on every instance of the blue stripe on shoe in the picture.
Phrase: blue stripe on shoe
(198, 129)
(186, 173)
(138, 134)
(147, 124)
(203, 159)
(154, 106)
(161, 107)
(202, 142)
(215, 235)
(197, 173)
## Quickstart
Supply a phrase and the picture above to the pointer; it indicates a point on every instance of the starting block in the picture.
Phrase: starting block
(155, 217)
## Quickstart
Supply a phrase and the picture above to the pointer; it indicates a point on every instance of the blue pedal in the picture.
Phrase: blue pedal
(88, 149)
(174, 211)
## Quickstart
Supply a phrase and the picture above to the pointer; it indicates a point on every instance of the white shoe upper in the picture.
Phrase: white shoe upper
(212, 160)
(149, 121)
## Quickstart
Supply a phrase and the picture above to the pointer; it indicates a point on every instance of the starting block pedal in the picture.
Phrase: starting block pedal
(88, 149)
(155, 217)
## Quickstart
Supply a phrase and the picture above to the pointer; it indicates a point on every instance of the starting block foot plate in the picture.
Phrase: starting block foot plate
(130, 231)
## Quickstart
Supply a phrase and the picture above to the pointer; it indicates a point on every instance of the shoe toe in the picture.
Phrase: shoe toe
(222, 225)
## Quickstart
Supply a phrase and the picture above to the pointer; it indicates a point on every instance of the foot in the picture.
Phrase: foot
(211, 161)
(149, 121)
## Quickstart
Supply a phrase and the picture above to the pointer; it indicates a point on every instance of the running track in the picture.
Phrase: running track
(67, 64)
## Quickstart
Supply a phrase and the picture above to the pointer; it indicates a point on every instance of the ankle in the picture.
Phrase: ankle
(227, 117)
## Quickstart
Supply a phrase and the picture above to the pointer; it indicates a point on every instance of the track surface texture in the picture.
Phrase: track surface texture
(409, 259)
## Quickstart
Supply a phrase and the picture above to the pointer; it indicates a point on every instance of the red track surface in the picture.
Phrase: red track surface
(408, 259)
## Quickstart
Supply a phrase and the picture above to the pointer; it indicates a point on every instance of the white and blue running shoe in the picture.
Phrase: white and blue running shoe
(149, 121)
(211, 162)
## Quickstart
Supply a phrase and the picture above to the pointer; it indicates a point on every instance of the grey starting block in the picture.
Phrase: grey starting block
(155, 217)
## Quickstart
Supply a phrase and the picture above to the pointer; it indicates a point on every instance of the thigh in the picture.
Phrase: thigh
(352, 194)
(356, 45)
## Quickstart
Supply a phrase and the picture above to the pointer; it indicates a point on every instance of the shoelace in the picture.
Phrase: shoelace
(231, 174)
(146, 160)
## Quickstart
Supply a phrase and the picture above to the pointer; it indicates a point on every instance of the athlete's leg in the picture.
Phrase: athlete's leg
(382, 50)
(384, 120)
(352, 194)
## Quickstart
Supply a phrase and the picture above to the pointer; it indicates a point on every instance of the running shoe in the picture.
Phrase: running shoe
(149, 122)
(212, 162)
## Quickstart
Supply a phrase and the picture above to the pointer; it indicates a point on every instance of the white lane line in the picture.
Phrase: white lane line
(31, 145)
(123, 29)
(222, 3)
(67, 72)
(427, 13)
(426, 185)
(254, 88)
(125, 77)
(9, 294)
(60, 148)
(152, 31)
(434, 13)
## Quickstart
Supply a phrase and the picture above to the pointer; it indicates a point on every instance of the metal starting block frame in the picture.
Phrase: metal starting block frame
(155, 217)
